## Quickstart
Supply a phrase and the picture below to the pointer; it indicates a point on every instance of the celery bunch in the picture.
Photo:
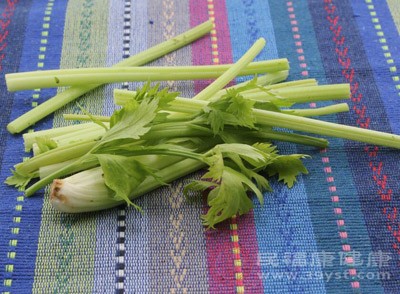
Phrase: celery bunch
(157, 137)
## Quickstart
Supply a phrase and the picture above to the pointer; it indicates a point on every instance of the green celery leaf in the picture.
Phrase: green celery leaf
(247, 182)
(124, 174)
(250, 154)
(130, 122)
(261, 182)
(197, 187)
(276, 99)
(266, 148)
(241, 108)
(215, 119)
(216, 167)
(267, 105)
(18, 180)
(164, 96)
(227, 199)
(231, 109)
(287, 167)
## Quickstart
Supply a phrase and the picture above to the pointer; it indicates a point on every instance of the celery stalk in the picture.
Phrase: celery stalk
(101, 75)
(232, 72)
(330, 109)
(30, 137)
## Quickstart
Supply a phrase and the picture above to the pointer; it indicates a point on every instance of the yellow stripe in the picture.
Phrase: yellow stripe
(395, 10)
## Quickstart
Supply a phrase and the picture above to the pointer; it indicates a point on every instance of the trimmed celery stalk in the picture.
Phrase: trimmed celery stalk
(84, 76)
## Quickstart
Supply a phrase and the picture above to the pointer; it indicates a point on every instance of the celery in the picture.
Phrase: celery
(84, 76)
(30, 137)
(61, 99)
(319, 111)
(157, 137)
(232, 72)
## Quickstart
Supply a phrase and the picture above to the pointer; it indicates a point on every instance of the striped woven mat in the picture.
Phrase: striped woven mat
(336, 231)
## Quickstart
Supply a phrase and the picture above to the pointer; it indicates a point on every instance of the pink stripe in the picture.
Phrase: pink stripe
(219, 245)
(219, 248)
(249, 254)
(201, 49)
(246, 227)
(220, 260)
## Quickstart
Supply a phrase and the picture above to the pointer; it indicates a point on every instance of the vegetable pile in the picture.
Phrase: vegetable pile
(156, 136)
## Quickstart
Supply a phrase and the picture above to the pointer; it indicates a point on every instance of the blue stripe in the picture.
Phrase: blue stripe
(359, 161)
(10, 63)
(321, 205)
(372, 44)
(24, 266)
(248, 13)
(283, 224)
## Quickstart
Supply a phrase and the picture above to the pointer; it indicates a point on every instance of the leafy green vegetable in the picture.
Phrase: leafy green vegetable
(287, 167)
(18, 180)
(157, 137)
(124, 174)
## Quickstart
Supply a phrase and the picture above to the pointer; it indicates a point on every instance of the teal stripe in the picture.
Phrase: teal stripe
(316, 186)
(283, 224)
(70, 266)
(248, 21)
(320, 206)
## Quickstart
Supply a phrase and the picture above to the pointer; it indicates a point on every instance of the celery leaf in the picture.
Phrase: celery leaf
(130, 122)
(231, 109)
(18, 180)
(124, 174)
(287, 167)
(228, 198)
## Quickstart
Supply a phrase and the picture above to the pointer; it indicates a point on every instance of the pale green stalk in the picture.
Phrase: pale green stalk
(61, 99)
(300, 94)
(232, 72)
(56, 155)
(83, 76)
(264, 87)
(330, 109)
(304, 124)
(84, 117)
(83, 136)
(30, 137)
(79, 136)
(314, 93)
(319, 127)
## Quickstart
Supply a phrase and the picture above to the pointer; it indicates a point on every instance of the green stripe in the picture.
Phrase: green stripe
(66, 249)
(395, 11)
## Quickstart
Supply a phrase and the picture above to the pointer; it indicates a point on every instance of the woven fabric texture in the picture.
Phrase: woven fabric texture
(336, 231)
